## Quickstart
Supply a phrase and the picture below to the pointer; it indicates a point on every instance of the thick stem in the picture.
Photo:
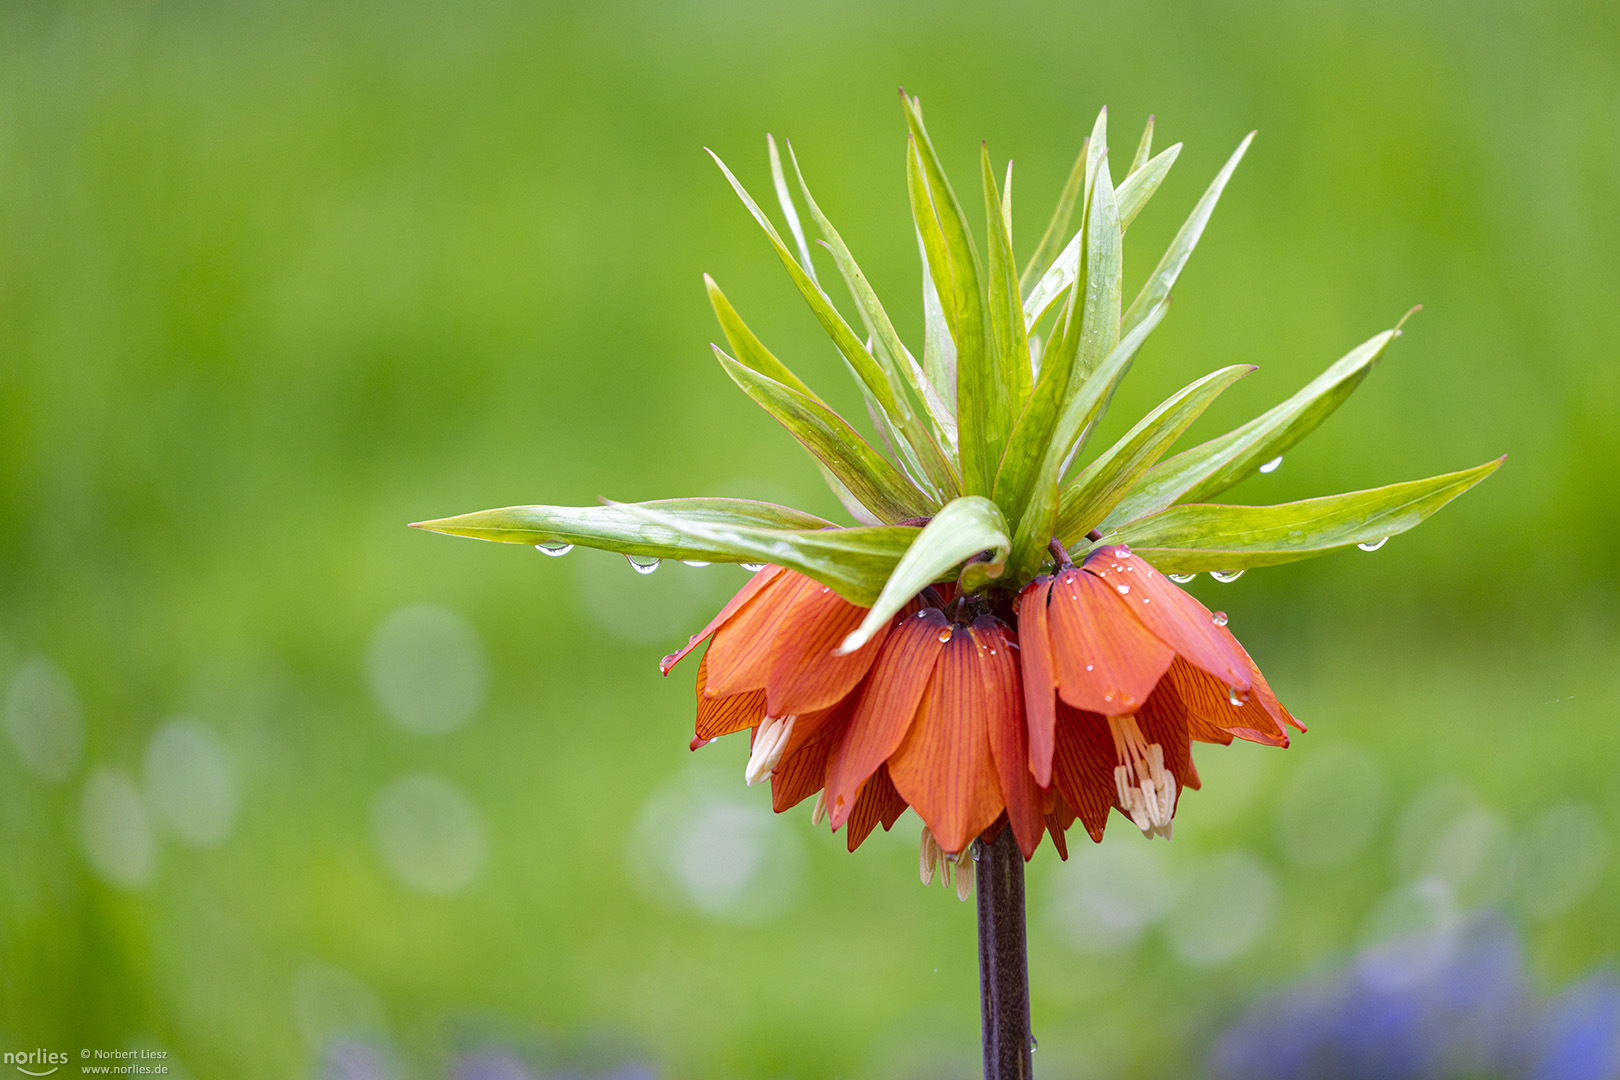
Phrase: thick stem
(1003, 961)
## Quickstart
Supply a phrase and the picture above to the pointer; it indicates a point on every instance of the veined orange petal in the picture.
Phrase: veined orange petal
(1268, 700)
(1009, 736)
(1212, 704)
(878, 801)
(1083, 767)
(740, 654)
(1163, 720)
(1058, 819)
(825, 723)
(888, 704)
(722, 716)
(799, 775)
(944, 767)
(1040, 677)
(804, 673)
(1178, 619)
(744, 594)
(1106, 660)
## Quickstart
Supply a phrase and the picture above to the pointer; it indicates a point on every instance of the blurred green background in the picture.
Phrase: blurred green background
(290, 790)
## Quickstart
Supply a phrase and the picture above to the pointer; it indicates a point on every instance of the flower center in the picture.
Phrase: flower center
(770, 742)
(1147, 790)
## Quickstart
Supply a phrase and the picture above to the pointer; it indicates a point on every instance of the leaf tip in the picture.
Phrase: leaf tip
(1415, 308)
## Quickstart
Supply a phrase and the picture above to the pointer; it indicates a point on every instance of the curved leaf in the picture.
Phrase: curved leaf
(749, 349)
(1088, 497)
(1205, 536)
(962, 529)
(1143, 181)
(617, 527)
(1214, 466)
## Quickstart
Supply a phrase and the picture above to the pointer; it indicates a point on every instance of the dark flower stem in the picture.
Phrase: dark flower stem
(1003, 961)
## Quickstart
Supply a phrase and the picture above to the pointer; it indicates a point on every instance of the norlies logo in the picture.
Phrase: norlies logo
(36, 1062)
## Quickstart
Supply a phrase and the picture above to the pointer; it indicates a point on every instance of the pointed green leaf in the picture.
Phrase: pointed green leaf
(790, 213)
(855, 563)
(1088, 497)
(1066, 267)
(1104, 284)
(749, 349)
(865, 472)
(1144, 149)
(1037, 496)
(939, 351)
(1008, 335)
(962, 529)
(1205, 536)
(1058, 227)
(1139, 187)
(1164, 276)
(847, 499)
(983, 414)
(1210, 468)
(615, 527)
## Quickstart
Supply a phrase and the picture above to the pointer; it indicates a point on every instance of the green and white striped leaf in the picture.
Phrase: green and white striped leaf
(1009, 338)
(1164, 275)
(1087, 498)
(1206, 536)
(964, 528)
(1140, 185)
(855, 563)
(1210, 468)
(867, 474)
(749, 349)
(1144, 147)
(1060, 275)
(790, 213)
(1104, 282)
(618, 527)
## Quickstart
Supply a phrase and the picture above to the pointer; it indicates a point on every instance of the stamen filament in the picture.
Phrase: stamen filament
(1146, 789)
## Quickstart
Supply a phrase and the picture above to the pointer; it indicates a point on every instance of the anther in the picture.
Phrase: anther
(770, 741)
(1146, 789)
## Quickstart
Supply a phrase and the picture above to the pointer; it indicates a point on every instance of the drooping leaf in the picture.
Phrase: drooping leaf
(1058, 227)
(962, 529)
(983, 414)
(749, 349)
(1087, 498)
(866, 473)
(1206, 536)
(1164, 275)
(790, 213)
(615, 527)
(1038, 507)
(1211, 467)
(1009, 338)
(855, 563)
(1144, 180)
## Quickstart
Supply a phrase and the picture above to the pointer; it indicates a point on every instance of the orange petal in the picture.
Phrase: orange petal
(1163, 720)
(1107, 661)
(1058, 820)
(722, 716)
(888, 703)
(944, 767)
(804, 673)
(740, 655)
(744, 594)
(821, 724)
(1180, 621)
(799, 775)
(1040, 677)
(1210, 705)
(1009, 736)
(1268, 700)
(878, 801)
(1083, 767)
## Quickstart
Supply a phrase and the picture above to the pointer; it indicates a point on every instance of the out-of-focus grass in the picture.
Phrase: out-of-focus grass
(276, 279)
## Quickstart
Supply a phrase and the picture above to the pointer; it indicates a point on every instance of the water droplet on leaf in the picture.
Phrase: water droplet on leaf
(753, 567)
(1226, 577)
(1271, 466)
(1373, 545)
(1181, 579)
(694, 562)
(642, 566)
(554, 550)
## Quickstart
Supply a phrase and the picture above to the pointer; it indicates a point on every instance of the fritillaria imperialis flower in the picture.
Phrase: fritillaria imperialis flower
(998, 641)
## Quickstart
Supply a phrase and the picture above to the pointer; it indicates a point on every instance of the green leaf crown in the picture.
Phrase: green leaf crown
(1017, 369)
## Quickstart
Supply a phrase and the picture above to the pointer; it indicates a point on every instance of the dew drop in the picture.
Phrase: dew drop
(1088, 667)
(694, 562)
(1219, 618)
(1271, 466)
(1123, 589)
(945, 635)
(1122, 552)
(1235, 697)
(1033, 1045)
(753, 567)
(1181, 579)
(642, 566)
(554, 550)
(1226, 577)
(1374, 545)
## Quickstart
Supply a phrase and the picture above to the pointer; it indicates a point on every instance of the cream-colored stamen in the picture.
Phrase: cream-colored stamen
(964, 873)
(818, 813)
(930, 858)
(770, 741)
(1146, 789)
